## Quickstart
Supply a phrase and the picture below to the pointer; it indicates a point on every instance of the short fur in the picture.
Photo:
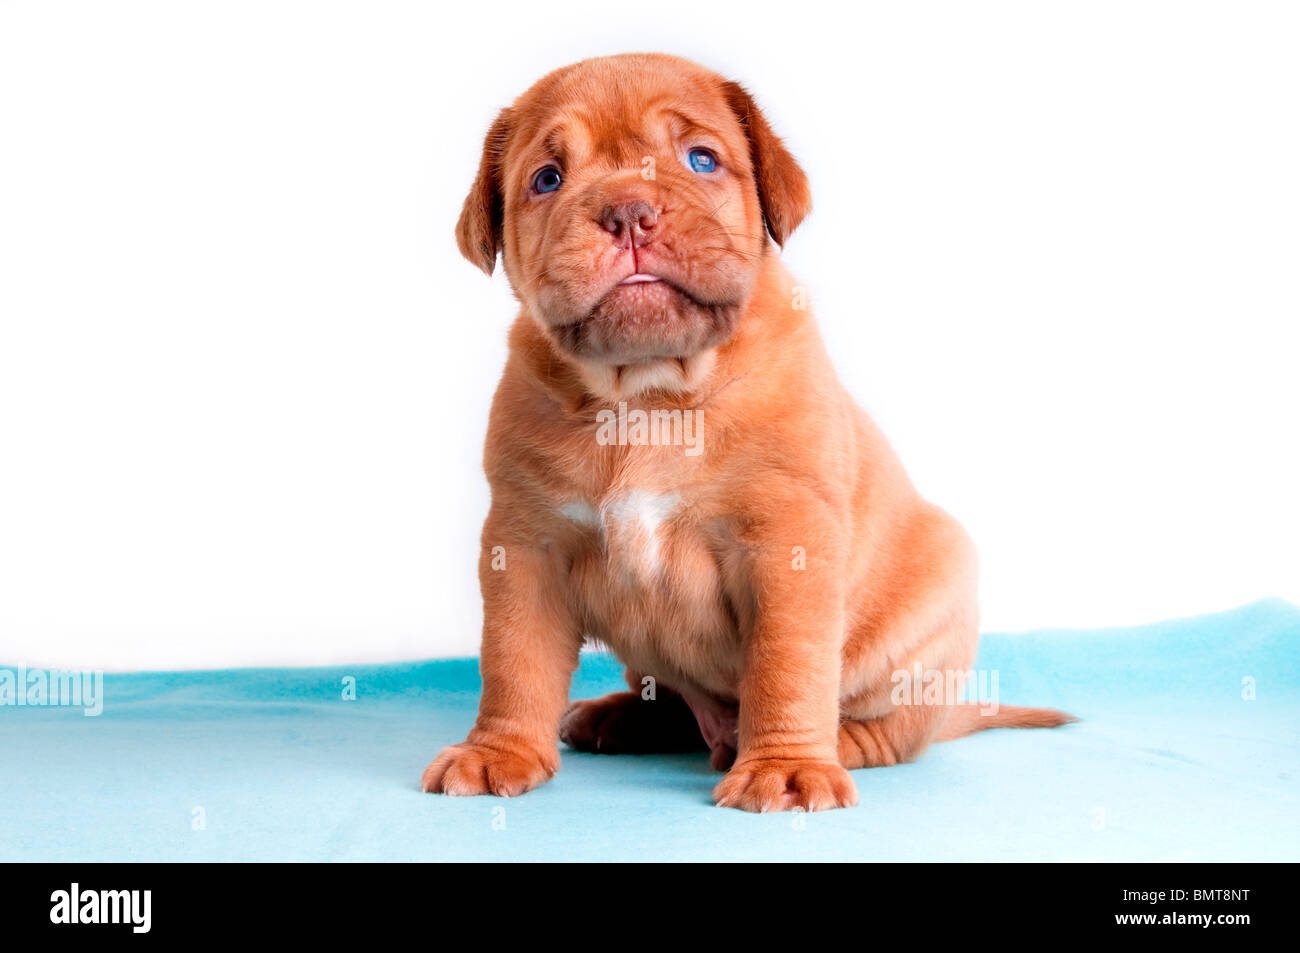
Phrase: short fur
(767, 588)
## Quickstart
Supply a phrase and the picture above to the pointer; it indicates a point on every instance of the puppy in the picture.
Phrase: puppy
(677, 473)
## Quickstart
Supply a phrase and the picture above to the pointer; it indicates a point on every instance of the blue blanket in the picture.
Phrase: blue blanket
(1188, 750)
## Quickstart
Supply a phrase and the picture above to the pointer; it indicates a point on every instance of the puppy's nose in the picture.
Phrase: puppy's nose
(629, 222)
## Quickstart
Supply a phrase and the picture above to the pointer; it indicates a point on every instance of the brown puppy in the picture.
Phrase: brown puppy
(677, 472)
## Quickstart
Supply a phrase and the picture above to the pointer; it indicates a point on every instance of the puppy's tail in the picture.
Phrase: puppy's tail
(969, 718)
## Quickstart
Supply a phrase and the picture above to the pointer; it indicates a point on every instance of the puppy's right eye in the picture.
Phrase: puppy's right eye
(547, 180)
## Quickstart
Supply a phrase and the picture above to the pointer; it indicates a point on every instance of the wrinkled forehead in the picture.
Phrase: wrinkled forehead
(621, 112)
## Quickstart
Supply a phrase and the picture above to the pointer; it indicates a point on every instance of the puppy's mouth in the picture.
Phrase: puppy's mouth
(647, 317)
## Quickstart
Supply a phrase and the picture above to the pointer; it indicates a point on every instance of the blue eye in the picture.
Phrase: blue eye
(702, 160)
(547, 180)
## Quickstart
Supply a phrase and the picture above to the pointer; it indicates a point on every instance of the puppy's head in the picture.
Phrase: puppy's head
(633, 199)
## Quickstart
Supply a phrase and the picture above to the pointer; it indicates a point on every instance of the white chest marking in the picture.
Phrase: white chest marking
(629, 524)
(581, 513)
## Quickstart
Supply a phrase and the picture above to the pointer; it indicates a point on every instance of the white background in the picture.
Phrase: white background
(244, 374)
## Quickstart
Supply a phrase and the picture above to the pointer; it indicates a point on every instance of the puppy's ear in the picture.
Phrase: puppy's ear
(782, 186)
(478, 233)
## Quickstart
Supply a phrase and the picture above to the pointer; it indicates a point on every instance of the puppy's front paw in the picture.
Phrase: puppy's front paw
(467, 769)
(782, 784)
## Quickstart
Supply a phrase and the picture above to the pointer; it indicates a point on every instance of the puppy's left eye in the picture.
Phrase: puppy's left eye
(702, 160)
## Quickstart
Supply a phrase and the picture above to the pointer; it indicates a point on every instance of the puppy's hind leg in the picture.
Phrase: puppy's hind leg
(627, 723)
(900, 736)
(876, 730)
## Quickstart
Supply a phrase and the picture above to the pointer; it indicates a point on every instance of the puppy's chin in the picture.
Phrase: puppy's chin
(645, 323)
(673, 376)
